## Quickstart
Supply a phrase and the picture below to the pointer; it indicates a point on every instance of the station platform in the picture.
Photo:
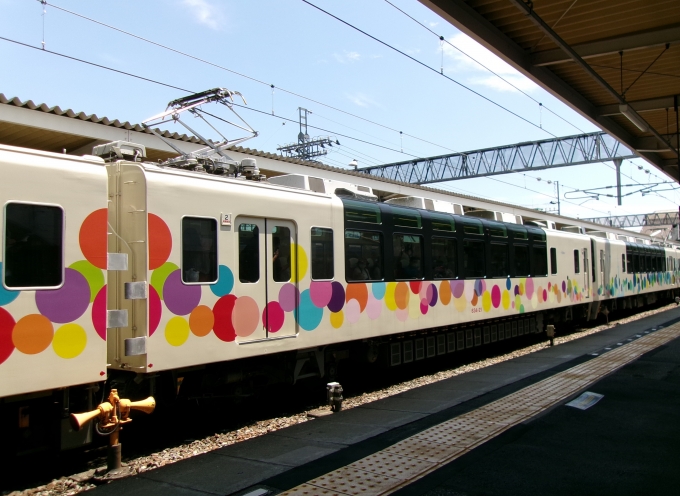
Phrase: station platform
(500, 430)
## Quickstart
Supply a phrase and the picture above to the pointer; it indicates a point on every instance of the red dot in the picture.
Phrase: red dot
(222, 310)
(102, 373)
(150, 365)
(6, 326)
(160, 241)
(93, 238)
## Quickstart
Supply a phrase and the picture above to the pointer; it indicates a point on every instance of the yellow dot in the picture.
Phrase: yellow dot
(518, 302)
(337, 318)
(460, 303)
(390, 300)
(505, 299)
(298, 262)
(69, 341)
(177, 331)
(486, 301)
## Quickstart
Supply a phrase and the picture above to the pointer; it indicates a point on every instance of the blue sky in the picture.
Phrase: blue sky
(300, 49)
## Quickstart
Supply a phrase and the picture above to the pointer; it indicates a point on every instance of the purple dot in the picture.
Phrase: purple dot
(288, 297)
(338, 297)
(180, 298)
(67, 303)
(457, 288)
(432, 295)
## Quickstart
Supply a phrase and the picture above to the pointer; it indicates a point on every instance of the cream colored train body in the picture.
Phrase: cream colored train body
(164, 271)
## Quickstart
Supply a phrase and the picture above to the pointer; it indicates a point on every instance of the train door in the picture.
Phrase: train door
(281, 278)
(266, 273)
(586, 276)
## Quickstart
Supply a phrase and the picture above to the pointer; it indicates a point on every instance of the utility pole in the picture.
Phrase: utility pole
(617, 163)
(557, 183)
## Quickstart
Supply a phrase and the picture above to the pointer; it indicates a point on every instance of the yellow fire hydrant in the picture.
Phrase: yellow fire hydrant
(110, 416)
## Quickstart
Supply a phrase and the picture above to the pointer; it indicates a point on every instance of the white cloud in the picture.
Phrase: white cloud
(478, 74)
(347, 57)
(361, 100)
(205, 13)
(433, 24)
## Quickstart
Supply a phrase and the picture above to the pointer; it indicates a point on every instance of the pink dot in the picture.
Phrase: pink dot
(529, 287)
(352, 311)
(373, 307)
(273, 316)
(99, 313)
(321, 293)
(545, 295)
(288, 297)
(496, 296)
(155, 310)
(245, 317)
(402, 314)
(424, 307)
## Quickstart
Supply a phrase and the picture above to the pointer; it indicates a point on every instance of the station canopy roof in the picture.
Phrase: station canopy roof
(614, 61)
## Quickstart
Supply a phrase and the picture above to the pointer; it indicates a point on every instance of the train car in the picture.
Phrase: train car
(178, 279)
(53, 293)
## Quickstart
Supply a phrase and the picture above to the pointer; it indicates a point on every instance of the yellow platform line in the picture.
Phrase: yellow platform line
(401, 464)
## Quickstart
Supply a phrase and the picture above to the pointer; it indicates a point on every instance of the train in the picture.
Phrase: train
(184, 279)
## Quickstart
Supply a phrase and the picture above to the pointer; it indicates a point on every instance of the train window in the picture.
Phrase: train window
(522, 266)
(497, 230)
(540, 260)
(500, 264)
(248, 253)
(623, 263)
(577, 263)
(472, 226)
(34, 246)
(519, 232)
(473, 259)
(199, 250)
(553, 260)
(281, 263)
(441, 222)
(408, 256)
(363, 255)
(405, 217)
(636, 262)
(357, 211)
(322, 253)
(538, 236)
(444, 256)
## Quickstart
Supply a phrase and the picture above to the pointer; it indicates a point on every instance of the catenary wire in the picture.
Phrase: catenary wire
(442, 38)
(291, 92)
(218, 66)
(51, 52)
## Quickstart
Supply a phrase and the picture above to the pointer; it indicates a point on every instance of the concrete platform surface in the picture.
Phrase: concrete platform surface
(292, 456)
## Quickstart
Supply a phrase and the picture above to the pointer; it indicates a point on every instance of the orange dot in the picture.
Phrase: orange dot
(32, 334)
(93, 238)
(160, 242)
(201, 321)
(401, 295)
(359, 292)
(445, 292)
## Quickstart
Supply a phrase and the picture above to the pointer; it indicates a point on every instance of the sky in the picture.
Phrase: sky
(381, 105)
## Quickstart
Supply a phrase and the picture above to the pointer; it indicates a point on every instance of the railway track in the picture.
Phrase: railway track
(208, 424)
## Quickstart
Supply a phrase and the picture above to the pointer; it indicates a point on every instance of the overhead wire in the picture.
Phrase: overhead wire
(51, 52)
(271, 85)
(160, 45)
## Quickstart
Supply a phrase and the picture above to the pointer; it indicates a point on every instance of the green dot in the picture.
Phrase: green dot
(159, 276)
(93, 275)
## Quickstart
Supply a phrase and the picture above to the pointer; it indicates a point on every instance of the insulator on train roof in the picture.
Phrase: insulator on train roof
(120, 150)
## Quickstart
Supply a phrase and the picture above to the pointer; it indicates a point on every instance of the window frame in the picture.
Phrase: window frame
(577, 261)
(311, 253)
(421, 258)
(381, 234)
(553, 261)
(4, 245)
(238, 258)
(455, 259)
(217, 251)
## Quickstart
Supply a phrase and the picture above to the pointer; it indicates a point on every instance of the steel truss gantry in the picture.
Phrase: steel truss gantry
(521, 157)
(640, 220)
